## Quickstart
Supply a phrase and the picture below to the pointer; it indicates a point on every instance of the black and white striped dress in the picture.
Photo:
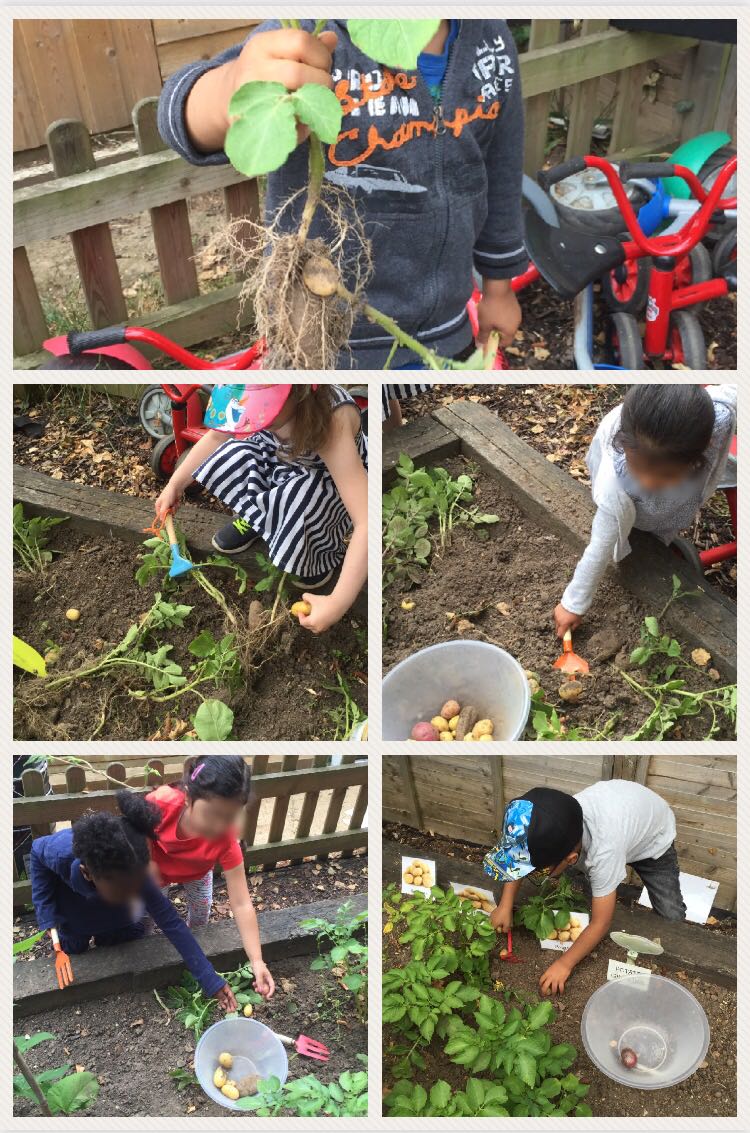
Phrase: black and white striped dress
(394, 392)
(293, 505)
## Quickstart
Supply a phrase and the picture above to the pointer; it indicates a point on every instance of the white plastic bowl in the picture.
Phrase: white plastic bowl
(255, 1049)
(472, 672)
(655, 1017)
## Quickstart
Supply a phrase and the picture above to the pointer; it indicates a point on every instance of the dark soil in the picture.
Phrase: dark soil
(560, 421)
(711, 1091)
(131, 1044)
(515, 563)
(336, 878)
(287, 699)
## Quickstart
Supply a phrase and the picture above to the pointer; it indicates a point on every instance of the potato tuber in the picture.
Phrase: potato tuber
(450, 709)
(247, 1010)
(483, 728)
(467, 718)
(440, 723)
(628, 1058)
(248, 1085)
(230, 1091)
(320, 277)
(301, 609)
(72, 614)
(226, 1060)
(453, 723)
(487, 737)
(220, 1077)
(570, 691)
(447, 737)
(425, 731)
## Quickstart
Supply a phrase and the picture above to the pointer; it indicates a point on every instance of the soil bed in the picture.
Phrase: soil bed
(131, 1044)
(287, 699)
(515, 563)
(711, 1091)
(560, 421)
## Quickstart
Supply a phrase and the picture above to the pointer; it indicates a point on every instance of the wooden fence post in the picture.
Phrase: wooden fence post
(170, 223)
(70, 152)
(75, 780)
(702, 85)
(34, 786)
(281, 804)
(335, 804)
(583, 103)
(410, 789)
(498, 787)
(625, 124)
(29, 323)
(309, 803)
(543, 34)
(252, 810)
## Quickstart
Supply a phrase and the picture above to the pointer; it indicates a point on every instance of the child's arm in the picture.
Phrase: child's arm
(43, 883)
(194, 105)
(553, 980)
(246, 920)
(345, 465)
(580, 591)
(501, 918)
(165, 916)
(500, 252)
(181, 477)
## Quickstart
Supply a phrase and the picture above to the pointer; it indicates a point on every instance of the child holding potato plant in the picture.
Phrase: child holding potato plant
(291, 462)
(654, 462)
(87, 880)
(196, 833)
(602, 830)
(429, 151)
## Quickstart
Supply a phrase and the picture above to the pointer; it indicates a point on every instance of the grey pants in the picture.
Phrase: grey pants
(661, 876)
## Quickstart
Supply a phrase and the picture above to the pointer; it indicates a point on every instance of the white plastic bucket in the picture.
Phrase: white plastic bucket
(254, 1048)
(471, 672)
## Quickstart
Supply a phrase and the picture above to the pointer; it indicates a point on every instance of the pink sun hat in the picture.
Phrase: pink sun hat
(245, 409)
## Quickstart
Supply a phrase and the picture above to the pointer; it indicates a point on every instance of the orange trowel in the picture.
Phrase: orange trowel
(570, 662)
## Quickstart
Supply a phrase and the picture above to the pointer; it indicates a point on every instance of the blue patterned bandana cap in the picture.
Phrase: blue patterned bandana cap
(510, 859)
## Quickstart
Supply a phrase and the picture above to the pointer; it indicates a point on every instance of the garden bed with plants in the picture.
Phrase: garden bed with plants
(466, 1034)
(461, 559)
(152, 1035)
(215, 655)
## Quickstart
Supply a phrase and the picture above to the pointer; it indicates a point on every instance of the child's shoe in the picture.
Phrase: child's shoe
(234, 538)
(313, 583)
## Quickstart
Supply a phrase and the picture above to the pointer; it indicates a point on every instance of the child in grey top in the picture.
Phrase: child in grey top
(654, 461)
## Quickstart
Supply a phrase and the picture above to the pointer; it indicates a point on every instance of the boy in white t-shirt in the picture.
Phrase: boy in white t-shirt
(603, 830)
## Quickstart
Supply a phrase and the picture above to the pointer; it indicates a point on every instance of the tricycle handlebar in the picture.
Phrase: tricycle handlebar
(651, 169)
(81, 340)
(548, 177)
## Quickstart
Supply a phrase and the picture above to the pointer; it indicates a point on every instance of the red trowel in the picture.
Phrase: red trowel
(570, 662)
(510, 956)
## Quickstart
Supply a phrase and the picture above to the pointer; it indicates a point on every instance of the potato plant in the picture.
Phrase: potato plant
(197, 1011)
(64, 1092)
(341, 951)
(538, 914)
(440, 998)
(423, 496)
(305, 290)
(308, 1096)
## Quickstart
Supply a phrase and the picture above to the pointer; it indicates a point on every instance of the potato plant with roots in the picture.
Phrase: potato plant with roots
(306, 292)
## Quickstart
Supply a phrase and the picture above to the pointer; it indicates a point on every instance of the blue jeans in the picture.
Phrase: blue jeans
(661, 876)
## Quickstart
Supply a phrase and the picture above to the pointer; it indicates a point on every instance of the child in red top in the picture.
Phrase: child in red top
(196, 833)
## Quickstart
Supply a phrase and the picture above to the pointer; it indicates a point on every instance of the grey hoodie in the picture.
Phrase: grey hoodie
(437, 182)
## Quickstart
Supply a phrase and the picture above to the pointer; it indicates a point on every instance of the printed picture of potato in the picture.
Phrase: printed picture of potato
(409, 878)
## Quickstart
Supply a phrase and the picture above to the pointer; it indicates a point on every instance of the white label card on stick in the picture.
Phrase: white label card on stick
(617, 970)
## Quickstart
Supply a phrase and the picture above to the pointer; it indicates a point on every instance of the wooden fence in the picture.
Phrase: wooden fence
(322, 781)
(464, 797)
(84, 197)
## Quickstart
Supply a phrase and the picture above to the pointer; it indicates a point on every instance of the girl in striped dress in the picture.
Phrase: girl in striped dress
(290, 461)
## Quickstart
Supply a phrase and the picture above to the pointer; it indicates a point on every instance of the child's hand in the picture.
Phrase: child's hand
(552, 982)
(167, 501)
(498, 310)
(264, 983)
(501, 917)
(289, 56)
(565, 621)
(225, 997)
(325, 612)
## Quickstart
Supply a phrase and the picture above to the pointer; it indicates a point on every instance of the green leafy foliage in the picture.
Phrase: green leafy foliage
(421, 496)
(26, 945)
(347, 715)
(213, 720)
(538, 914)
(397, 43)
(64, 1092)
(308, 1097)
(430, 1002)
(263, 132)
(341, 950)
(30, 538)
(196, 1011)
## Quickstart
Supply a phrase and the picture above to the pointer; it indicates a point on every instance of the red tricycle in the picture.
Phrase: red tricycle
(570, 260)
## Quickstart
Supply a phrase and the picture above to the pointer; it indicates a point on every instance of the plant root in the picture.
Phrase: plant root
(291, 283)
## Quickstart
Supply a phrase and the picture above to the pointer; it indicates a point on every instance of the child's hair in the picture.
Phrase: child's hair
(109, 843)
(212, 776)
(313, 410)
(670, 424)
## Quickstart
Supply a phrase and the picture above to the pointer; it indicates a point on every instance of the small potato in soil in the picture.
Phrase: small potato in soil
(570, 691)
(628, 1058)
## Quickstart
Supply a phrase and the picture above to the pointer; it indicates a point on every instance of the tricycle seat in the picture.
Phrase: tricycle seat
(569, 260)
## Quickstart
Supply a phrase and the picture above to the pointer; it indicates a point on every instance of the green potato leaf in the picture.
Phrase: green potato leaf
(397, 43)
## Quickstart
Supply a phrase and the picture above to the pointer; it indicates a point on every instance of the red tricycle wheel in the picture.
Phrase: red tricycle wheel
(626, 288)
(163, 458)
(686, 345)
